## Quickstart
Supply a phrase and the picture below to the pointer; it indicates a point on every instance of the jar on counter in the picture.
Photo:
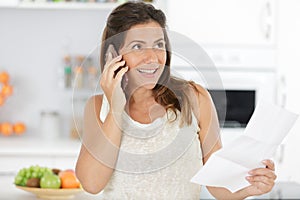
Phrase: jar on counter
(50, 124)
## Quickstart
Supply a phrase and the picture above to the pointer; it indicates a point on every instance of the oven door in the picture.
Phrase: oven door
(242, 89)
(235, 108)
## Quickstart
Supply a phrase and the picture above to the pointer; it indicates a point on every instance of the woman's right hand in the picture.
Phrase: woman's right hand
(111, 82)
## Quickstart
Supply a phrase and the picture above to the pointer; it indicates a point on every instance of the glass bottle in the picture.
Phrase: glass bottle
(78, 72)
(67, 72)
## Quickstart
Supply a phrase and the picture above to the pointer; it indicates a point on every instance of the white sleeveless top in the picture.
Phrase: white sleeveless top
(156, 160)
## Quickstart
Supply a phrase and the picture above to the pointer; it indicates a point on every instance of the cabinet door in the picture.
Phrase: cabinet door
(13, 163)
(236, 22)
(65, 162)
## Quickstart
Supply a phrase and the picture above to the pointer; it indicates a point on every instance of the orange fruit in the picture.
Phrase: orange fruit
(6, 129)
(70, 182)
(19, 128)
(7, 90)
(2, 100)
(68, 179)
(4, 77)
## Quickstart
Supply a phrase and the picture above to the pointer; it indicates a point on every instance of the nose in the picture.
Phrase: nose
(150, 56)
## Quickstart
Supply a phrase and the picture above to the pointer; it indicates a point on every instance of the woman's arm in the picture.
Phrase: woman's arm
(261, 179)
(101, 141)
(99, 149)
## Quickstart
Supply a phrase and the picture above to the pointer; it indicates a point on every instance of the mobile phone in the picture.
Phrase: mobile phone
(111, 50)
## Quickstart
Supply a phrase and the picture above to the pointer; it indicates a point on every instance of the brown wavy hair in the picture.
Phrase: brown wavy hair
(171, 92)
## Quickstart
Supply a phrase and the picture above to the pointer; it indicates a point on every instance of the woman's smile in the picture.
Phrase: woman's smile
(149, 71)
(145, 54)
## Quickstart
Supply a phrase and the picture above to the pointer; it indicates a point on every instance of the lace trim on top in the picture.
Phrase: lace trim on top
(156, 160)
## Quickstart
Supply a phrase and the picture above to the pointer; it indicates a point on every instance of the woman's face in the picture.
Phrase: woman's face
(145, 54)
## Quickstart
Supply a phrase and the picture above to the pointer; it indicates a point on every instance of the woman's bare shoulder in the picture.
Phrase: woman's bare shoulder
(201, 93)
(201, 101)
(95, 98)
(95, 102)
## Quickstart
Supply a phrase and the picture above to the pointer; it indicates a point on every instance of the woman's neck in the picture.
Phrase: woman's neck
(141, 96)
(143, 108)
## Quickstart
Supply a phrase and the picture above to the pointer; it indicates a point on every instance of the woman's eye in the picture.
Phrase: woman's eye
(136, 47)
(160, 45)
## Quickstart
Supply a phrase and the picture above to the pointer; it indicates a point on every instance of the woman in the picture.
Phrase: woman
(140, 98)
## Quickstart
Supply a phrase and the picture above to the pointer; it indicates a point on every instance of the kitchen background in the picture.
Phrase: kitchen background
(248, 38)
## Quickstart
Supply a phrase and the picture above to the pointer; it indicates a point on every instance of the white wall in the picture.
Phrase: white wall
(31, 50)
(289, 67)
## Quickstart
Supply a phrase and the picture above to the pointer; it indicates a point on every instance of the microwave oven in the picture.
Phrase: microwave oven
(236, 106)
(238, 94)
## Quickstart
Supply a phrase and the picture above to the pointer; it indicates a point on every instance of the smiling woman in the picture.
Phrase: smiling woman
(145, 54)
(150, 132)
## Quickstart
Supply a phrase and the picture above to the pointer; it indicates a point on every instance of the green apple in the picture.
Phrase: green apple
(50, 181)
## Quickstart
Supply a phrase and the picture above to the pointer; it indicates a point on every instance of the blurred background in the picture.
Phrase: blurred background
(45, 46)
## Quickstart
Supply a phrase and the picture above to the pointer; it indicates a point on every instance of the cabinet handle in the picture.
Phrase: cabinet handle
(280, 153)
(7, 173)
(266, 20)
(281, 91)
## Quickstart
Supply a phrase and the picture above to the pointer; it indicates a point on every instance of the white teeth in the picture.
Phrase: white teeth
(147, 71)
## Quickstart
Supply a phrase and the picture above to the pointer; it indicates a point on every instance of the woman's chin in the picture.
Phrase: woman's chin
(149, 86)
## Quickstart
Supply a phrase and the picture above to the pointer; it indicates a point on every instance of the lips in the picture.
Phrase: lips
(147, 71)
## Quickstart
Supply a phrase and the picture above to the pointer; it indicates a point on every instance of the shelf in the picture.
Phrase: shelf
(19, 152)
(38, 146)
(61, 5)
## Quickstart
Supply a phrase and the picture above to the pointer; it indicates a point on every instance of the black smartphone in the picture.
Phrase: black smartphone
(111, 50)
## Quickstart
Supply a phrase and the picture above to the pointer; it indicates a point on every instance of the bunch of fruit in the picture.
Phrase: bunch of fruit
(6, 90)
(43, 177)
(7, 128)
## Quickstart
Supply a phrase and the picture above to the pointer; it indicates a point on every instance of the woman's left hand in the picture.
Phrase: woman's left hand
(262, 180)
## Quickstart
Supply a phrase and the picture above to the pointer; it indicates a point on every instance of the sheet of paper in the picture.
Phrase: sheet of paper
(229, 166)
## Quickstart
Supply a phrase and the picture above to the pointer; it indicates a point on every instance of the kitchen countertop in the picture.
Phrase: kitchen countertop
(286, 190)
(282, 190)
(67, 147)
(10, 192)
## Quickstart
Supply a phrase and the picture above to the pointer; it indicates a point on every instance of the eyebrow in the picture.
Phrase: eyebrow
(138, 41)
(143, 42)
(159, 40)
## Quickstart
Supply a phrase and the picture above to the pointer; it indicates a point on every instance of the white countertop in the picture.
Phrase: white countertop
(282, 190)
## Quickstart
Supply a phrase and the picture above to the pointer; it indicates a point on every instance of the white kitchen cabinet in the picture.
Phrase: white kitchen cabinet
(8, 3)
(233, 22)
(17, 153)
(289, 70)
(66, 5)
(24, 4)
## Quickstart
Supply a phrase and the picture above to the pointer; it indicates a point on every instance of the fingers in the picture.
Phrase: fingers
(121, 73)
(260, 187)
(263, 178)
(111, 60)
(263, 172)
(113, 73)
(269, 164)
(260, 179)
(269, 171)
(116, 66)
(110, 71)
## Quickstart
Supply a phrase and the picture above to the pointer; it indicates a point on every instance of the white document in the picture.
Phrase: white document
(229, 166)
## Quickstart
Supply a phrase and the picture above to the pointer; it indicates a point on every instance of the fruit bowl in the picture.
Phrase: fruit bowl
(52, 194)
